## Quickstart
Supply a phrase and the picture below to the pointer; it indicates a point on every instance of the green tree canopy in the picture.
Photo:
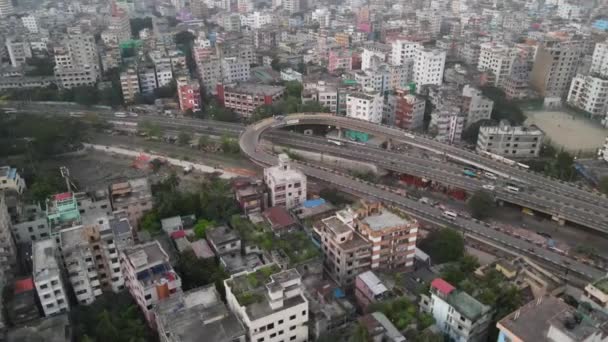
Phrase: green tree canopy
(481, 204)
(443, 245)
(200, 229)
(184, 138)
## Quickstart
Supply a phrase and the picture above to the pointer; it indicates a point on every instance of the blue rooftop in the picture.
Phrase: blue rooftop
(313, 203)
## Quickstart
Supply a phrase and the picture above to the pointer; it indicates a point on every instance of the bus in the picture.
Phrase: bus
(512, 189)
(450, 215)
(120, 114)
(469, 173)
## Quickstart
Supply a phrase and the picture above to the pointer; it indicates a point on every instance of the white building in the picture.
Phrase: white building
(428, 66)
(77, 61)
(449, 124)
(164, 74)
(6, 8)
(149, 276)
(596, 293)
(273, 307)
(47, 278)
(569, 11)
(120, 27)
(129, 84)
(511, 142)
(365, 106)
(235, 70)
(291, 6)
(31, 23)
(475, 105)
(456, 313)
(373, 80)
(287, 184)
(291, 75)
(257, 19)
(18, 51)
(11, 180)
(147, 80)
(589, 93)
(599, 61)
(403, 51)
(374, 53)
(498, 58)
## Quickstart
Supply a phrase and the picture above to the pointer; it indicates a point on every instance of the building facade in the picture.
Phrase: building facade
(510, 141)
(365, 106)
(11, 180)
(189, 94)
(244, 98)
(47, 277)
(428, 66)
(286, 184)
(409, 110)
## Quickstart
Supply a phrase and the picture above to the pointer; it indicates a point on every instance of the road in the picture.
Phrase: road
(249, 145)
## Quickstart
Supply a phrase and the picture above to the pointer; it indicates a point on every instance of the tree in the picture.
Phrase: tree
(481, 204)
(197, 272)
(603, 185)
(203, 141)
(150, 129)
(150, 222)
(86, 95)
(230, 145)
(200, 229)
(472, 131)
(293, 89)
(138, 24)
(184, 138)
(360, 334)
(275, 64)
(443, 245)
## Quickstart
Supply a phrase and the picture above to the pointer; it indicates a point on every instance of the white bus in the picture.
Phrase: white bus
(512, 189)
(120, 114)
(490, 175)
(450, 215)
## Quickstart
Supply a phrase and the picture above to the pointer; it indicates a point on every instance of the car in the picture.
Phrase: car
(488, 187)
(490, 175)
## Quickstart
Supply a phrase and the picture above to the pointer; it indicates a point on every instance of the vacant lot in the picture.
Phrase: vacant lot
(570, 131)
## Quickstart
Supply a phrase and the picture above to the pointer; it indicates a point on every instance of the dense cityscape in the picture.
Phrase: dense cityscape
(304, 170)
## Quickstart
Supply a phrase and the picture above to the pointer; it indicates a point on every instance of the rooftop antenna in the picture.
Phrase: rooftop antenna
(65, 174)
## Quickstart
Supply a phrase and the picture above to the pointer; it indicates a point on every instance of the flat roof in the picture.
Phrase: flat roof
(222, 234)
(336, 226)
(386, 219)
(467, 306)
(255, 89)
(44, 260)
(601, 284)
(373, 282)
(48, 329)
(531, 322)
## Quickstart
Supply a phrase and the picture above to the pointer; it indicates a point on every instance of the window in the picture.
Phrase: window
(273, 335)
(261, 339)
(148, 296)
(280, 321)
(292, 338)
(270, 326)
(304, 313)
(292, 317)
(293, 327)
(44, 286)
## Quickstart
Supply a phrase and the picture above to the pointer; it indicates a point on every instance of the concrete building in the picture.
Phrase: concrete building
(224, 240)
(18, 51)
(475, 106)
(129, 84)
(235, 70)
(497, 58)
(599, 60)
(554, 67)
(550, 319)
(373, 55)
(291, 6)
(77, 60)
(569, 11)
(189, 94)
(164, 74)
(120, 26)
(339, 59)
(31, 23)
(11, 180)
(511, 141)
(346, 252)
(47, 277)
(369, 289)
(409, 110)
(244, 98)
(291, 75)
(403, 51)
(374, 80)
(251, 195)
(52, 329)
(76, 76)
(428, 66)
(8, 252)
(149, 276)
(364, 106)
(380, 328)
(272, 307)
(147, 79)
(393, 237)
(188, 316)
(134, 197)
(286, 184)
(596, 294)
(22, 307)
(590, 94)
(448, 123)
(6, 8)
(456, 313)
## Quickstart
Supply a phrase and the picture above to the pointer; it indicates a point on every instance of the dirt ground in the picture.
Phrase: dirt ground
(569, 130)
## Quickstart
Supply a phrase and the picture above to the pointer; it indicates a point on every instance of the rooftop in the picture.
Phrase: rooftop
(221, 235)
(336, 226)
(467, 306)
(44, 260)
(531, 322)
(255, 89)
(278, 217)
(50, 329)
(602, 284)
(373, 282)
(383, 220)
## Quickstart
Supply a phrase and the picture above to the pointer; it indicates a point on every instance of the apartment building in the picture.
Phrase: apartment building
(292, 6)
(6, 8)
(374, 55)
(8, 251)
(30, 224)
(11, 180)
(393, 237)
(551, 319)
(328, 95)
(346, 252)
(369, 289)
(244, 98)
(270, 303)
(235, 70)
(448, 123)
(47, 278)
(120, 26)
(339, 59)
(373, 80)
(19, 50)
(85, 75)
(187, 316)
(599, 60)
(286, 184)
(365, 106)
(189, 94)
(409, 110)
(511, 141)
(554, 67)
(224, 240)
(403, 51)
(77, 61)
(209, 68)
(134, 197)
(31, 23)
(475, 106)
(590, 94)
(428, 66)
(149, 276)
(456, 313)
(497, 58)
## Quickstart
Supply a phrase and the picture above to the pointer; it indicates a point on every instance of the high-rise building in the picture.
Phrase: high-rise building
(498, 58)
(291, 6)
(409, 110)
(448, 123)
(365, 106)
(47, 277)
(374, 55)
(403, 51)
(428, 66)
(129, 84)
(6, 8)
(554, 67)
(147, 79)
(120, 26)
(235, 70)
(270, 303)
(189, 94)
(511, 142)
(18, 51)
(475, 106)
(599, 61)
(589, 93)
(287, 184)
(8, 251)
(30, 22)
(149, 276)
(77, 61)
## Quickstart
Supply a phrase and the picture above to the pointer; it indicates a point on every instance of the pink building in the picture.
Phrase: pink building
(189, 93)
(340, 59)
(369, 289)
(149, 276)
